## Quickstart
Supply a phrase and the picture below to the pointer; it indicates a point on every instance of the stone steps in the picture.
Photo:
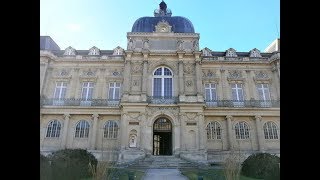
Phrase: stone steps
(162, 162)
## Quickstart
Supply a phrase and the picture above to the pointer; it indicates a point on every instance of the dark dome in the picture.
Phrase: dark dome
(179, 24)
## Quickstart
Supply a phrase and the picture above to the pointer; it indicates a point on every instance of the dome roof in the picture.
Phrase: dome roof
(147, 24)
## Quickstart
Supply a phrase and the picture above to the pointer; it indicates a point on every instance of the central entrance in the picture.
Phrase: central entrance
(162, 137)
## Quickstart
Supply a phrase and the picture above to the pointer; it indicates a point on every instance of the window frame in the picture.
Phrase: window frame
(85, 128)
(214, 131)
(113, 87)
(57, 131)
(163, 77)
(113, 133)
(274, 131)
(246, 130)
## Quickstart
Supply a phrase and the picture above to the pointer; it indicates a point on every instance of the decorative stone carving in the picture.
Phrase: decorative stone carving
(145, 44)
(133, 138)
(173, 65)
(188, 68)
(88, 73)
(254, 53)
(179, 45)
(163, 27)
(191, 116)
(261, 75)
(118, 51)
(172, 110)
(206, 52)
(94, 51)
(231, 53)
(235, 74)
(208, 73)
(130, 44)
(136, 68)
(135, 83)
(69, 51)
(189, 83)
(196, 45)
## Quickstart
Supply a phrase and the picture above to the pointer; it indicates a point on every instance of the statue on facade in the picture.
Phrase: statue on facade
(130, 44)
(195, 45)
(179, 45)
(146, 44)
(133, 141)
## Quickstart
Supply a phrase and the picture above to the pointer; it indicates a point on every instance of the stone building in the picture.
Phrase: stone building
(161, 95)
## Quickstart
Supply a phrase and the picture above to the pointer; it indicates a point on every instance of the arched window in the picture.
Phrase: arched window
(111, 130)
(213, 130)
(270, 130)
(242, 130)
(162, 82)
(53, 129)
(82, 129)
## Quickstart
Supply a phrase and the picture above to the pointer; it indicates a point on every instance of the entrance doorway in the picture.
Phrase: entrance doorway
(162, 137)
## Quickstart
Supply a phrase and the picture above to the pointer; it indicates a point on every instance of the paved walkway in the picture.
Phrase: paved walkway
(164, 174)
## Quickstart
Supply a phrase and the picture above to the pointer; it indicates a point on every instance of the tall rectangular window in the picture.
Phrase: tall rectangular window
(264, 95)
(211, 94)
(114, 91)
(86, 94)
(237, 94)
(60, 90)
(59, 93)
(157, 87)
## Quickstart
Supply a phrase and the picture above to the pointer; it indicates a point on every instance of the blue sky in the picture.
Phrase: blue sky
(239, 24)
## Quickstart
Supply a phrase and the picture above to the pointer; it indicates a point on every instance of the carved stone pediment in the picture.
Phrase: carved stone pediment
(261, 76)
(62, 73)
(235, 75)
(87, 73)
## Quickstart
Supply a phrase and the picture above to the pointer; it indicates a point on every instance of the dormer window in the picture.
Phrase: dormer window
(255, 53)
(118, 51)
(69, 51)
(94, 51)
(231, 53)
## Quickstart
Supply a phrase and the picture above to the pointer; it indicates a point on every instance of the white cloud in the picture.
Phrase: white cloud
(73, 27)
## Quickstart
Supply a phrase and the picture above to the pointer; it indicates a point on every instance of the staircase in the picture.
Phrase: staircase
(162, 162)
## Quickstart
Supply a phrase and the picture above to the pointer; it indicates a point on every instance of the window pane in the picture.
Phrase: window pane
(240, 94)
(117, 93)
(234, 95)
(157, 87)
(57, 93)
(111, 90)
(158, 71)
(208, 94)
(167, 72)
(90, 93)
(213, 94)
(168, 87)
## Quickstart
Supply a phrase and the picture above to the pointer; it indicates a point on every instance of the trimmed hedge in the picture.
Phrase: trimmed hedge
(45, 169)
(262, 166)
(72, 164)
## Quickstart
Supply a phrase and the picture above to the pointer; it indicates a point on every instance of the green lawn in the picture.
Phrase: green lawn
(211, 174)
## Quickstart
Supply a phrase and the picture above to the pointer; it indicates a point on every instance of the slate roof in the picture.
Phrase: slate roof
(179, 24)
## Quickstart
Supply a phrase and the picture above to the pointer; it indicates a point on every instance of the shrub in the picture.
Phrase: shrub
(261, 166)
(72, 164)
(232, 165)
(45, 169)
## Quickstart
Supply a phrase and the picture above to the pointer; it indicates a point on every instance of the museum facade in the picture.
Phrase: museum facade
(161, 95)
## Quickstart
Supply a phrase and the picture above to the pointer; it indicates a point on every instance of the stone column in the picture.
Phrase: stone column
(65, 130)
(251, 86)
(254, 92)
(219, 86)
(230, 132)
(259, 131)
(123, 131)
(181, 79)
(127, 77)
(247, 87)
(276, 81)
(100, 84)
(199, 77)
(43, 75)
(144, 77)
(202, 132)
(74, 84)
(225, 85)
(94, 132)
